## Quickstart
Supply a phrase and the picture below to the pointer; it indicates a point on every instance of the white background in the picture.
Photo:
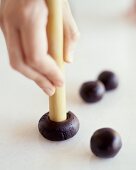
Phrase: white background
(104, 44)
(101, 7)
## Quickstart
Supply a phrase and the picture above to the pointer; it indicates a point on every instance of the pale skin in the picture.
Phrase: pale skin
(23, 23)
(132, 12)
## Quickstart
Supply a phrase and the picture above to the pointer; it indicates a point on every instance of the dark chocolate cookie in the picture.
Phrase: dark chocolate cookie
(58, 131)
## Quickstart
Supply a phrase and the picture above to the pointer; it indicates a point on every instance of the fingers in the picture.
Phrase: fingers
(27, 45)
(71, 33)
(1, 18)
(17, 62)
(23, 24)
(35, 47)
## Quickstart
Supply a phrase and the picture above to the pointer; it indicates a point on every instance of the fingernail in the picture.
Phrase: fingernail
(70, 60)
(49, 91)
(70, 57)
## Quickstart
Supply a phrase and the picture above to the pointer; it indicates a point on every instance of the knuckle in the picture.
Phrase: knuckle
(75, 35)
(31, 15)
(72, 34)
(39, 82)
(24, 15)
(34, 61)
(27, 14)
(12, 16)
(15, 65)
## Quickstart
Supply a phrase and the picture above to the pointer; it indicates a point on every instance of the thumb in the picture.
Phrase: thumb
(71, 33)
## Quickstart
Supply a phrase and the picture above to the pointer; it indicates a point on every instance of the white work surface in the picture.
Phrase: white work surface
(103, 45)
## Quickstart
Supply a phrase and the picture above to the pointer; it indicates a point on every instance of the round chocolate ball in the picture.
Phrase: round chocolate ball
(109, 79)
(105, 143)
(92, 91)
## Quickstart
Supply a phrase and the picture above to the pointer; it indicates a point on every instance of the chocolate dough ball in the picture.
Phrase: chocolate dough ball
(92, 91)
(109, 79)
(105, 143)
(58, 131)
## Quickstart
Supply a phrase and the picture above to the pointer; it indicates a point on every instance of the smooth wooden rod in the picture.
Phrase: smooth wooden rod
(57, 103)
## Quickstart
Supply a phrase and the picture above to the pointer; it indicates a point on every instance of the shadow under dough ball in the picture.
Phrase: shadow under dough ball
(92, 91)
(109, 79)
(105, 143)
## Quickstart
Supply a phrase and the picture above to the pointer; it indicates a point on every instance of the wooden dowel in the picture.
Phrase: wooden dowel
(57, 103)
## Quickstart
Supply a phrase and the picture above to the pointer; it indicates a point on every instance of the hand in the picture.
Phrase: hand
(23, 23)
